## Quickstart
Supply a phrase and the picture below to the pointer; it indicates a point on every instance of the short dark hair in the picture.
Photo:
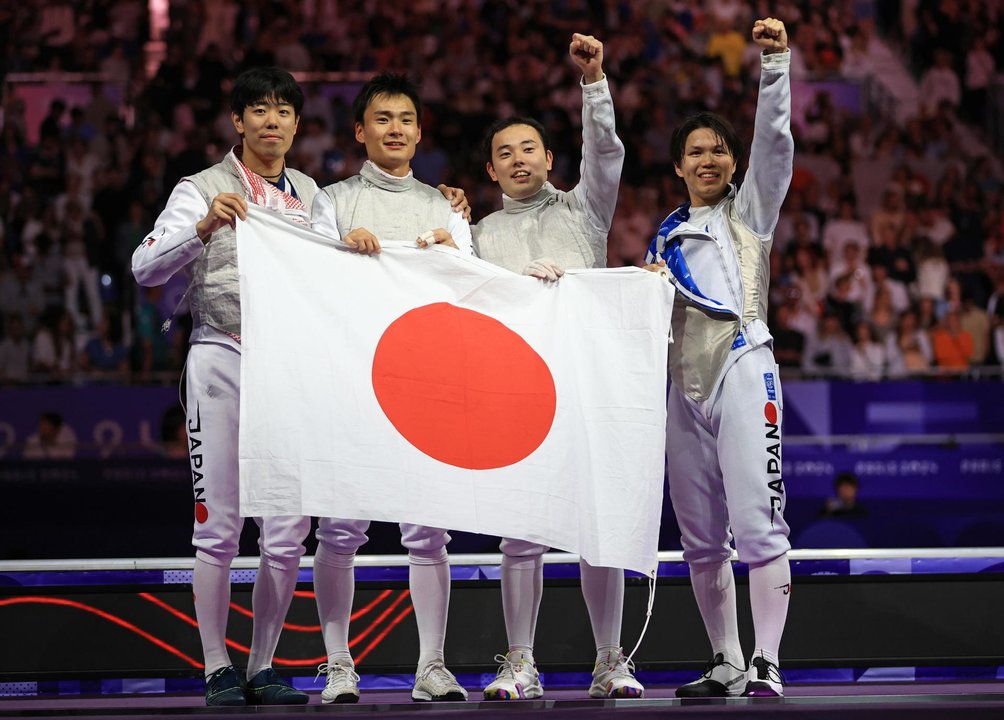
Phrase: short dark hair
(845, 478)
(265, 84)
(716, 124)
(386, 84)
(500, 125)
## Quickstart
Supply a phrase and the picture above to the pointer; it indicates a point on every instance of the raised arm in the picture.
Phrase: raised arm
(602, 150)
(773, 149)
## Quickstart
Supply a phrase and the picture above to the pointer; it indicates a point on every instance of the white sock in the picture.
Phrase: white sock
(603, 591)
(522, 589)
(334, 589)
(211, 587)
(715, 592)
(430, 595)
(273, 591)
(770, 590)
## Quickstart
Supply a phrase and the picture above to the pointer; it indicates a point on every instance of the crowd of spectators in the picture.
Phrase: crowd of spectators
(888, 258)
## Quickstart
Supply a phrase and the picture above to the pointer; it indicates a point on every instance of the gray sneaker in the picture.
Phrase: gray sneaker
(342, 685)
(434, 683)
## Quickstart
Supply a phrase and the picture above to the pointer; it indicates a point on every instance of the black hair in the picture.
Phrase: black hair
(386, 84)
(845, 478)
(713, 122)
(500, 125)
(53, 418)
(265, 84)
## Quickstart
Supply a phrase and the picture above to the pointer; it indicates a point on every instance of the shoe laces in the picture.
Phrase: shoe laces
(620, 665)
(217, 675)
(436, 674)
(718, 659)
(336, 672)
(509, 667)
(766, 670)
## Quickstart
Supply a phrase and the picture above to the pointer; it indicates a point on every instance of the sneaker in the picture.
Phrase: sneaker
(614, 677)
(342, 685)
(765, 679)
(719, 679)
(267, 688)
(516, 679)
(224, 687)
(435, 683)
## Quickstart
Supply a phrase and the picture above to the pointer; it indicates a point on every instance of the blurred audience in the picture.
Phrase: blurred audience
(883, 215)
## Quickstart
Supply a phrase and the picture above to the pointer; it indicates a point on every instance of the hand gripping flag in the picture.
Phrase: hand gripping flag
(423, 386)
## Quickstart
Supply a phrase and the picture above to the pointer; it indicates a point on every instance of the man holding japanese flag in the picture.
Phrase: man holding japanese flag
(429, 387)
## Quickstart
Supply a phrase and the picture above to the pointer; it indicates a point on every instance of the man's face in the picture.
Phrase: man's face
(519, 162)
(707, 167)
(268, 128)
(390, 130)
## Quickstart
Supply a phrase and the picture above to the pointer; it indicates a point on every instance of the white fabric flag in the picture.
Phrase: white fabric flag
(424, 386)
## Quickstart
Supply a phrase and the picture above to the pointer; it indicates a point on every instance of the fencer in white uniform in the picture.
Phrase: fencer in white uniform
(195, 235)
(541, 231)
(723, 444)
(385, 202)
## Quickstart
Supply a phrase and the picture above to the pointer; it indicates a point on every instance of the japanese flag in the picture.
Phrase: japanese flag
(424, 386)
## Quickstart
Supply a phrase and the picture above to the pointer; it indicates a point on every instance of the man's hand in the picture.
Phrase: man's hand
(439, 236)
(587, 53)
(224, 210)
(770, 35)
(458, 200)
(362, 241)
(659, 268)
(544, 269)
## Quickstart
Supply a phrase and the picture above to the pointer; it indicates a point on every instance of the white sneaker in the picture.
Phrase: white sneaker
(435, 683)
(613, 677)
(516, 679)
(342, 685)
(719, 679)
(765, 679)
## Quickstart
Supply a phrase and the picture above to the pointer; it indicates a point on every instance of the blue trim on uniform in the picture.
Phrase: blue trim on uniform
(739, 342)
(670, 252)
(768, 381)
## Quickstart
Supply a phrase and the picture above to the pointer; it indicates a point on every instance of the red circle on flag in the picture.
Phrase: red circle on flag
(462, 387)
(201, 512)
(770, 412)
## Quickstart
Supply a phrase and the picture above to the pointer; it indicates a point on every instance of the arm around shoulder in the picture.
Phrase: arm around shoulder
(322, 216)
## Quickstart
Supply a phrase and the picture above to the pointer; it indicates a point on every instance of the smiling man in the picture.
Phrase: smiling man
(196, 234)
(540, 231)
(385, 202)
(723, 443)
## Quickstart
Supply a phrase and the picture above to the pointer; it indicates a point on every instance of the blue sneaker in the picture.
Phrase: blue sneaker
(267, 688)
(224, 687)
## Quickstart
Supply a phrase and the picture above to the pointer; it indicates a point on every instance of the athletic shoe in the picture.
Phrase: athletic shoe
(342, 685)
(435, 683)
(719, 679)
(224, 687)
(613, 678)
(765, 679)
(515, 680)
(267, 688)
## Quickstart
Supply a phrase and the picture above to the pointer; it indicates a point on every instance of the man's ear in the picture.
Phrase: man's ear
(491, 171)
(238, 122)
